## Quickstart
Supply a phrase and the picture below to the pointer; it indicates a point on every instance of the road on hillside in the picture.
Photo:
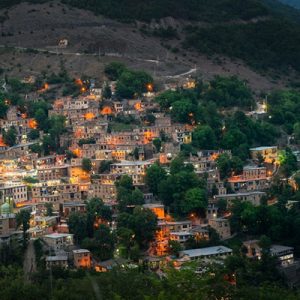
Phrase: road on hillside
(59, 52)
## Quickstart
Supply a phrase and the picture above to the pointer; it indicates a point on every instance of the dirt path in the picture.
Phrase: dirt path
(29, 265)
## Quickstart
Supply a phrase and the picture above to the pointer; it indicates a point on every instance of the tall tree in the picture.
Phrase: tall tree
(23, 218)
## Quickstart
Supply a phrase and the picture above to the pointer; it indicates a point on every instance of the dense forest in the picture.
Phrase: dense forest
(217, 10)
(294, 3)
(269, 44)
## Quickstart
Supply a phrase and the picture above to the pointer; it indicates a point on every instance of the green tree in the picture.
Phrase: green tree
(10, 136)
(154, 175)
(114, 70)
(96, 211)
(142, 222)
(288, 162)
(174, 248)
(157, 144)
(23, 218)
(42, 119)
(182, 111)
(204, 137)
(297, 131)
(126, 238)
(78, 226)
(224, 165)
(103, 243)
(49, 209)
(104, 166)
(195, 200)
(33, 134)
(86, 164)
(106, 92)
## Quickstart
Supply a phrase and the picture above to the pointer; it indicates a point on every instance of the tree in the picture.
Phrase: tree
(49, 209)
(57, 128)
(154, 175)
(42, 119)
(104, 166)
(204, 137)
(102, 245)
(222, 206)
(86, 165)
(297, 131)
(131, 83)
(157, 144)
(10, 136)
(142, 222)
(78, 226)
(125, 182)
(288, 162)
(106, 92)
(33, 134)
(182, 111)
(233, 138)
(48, 144)
(195, 200)
(23, 218)
(174, 248)
(223, 164)
(229, 91)
(227, 165)
(135, 153)
(3, 108)
(126, 238)
(97, 213)
(114, 70)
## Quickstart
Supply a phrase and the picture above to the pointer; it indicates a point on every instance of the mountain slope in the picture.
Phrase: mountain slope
(212, 36)
(96, 40)
(293, 3)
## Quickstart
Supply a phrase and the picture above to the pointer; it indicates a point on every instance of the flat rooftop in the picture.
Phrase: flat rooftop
(78, 251)
(262, 148)
(206, 251)
(56, 258)
(57, 235)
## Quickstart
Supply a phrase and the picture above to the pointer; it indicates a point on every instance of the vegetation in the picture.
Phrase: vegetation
(191, 10)
(86, 165)
(127, 195)
(140, 284)
(182, 190)
(267, 44)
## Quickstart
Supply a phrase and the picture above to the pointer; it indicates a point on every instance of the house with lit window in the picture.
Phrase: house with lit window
(268, 153)
(284, 254)
(135, 169)
(252, 178)
(82, 258)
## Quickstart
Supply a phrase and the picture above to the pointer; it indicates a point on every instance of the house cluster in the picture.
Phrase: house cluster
(31, 181)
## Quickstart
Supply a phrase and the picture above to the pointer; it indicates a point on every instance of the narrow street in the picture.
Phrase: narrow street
(29, 265)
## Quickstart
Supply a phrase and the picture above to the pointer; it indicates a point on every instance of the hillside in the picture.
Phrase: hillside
(131, 10)
(294, 3)
(166, 38)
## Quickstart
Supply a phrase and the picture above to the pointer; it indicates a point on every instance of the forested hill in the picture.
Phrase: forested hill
(294, 3)
(263, 33)
(129, 10)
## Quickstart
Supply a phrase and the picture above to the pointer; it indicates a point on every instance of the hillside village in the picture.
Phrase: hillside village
(118, 173)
